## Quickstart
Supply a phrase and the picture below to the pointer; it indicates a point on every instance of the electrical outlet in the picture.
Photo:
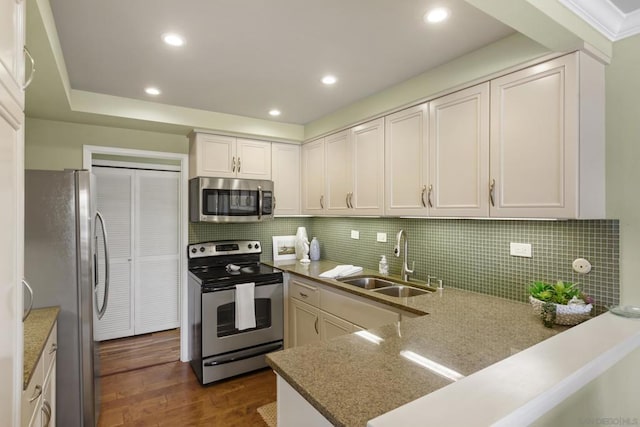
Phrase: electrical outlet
(355, 234)
(381, 237)
(520, 249)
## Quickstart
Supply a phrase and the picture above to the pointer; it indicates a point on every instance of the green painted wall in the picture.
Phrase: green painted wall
(623, 158)
(58, 145)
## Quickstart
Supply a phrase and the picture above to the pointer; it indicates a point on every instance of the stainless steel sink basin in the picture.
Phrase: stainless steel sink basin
(384, 286)
(368, 282)
(401, 291)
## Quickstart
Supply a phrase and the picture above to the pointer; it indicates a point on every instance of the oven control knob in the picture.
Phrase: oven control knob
(194, 250)
(201, 248)
(249, 246)
(256, 246)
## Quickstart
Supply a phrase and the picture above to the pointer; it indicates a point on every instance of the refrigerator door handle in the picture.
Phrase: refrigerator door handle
(101, 310)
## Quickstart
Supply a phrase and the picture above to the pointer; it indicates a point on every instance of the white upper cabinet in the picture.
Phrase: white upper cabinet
(406, 161)
(547, 141)
(313, 177)
(286, 178)
(338, 173)
(459, 153)
(228, 157)
(367, 148)
(12, 27)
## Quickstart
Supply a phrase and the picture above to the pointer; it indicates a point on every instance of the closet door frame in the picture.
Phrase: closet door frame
(182, 161)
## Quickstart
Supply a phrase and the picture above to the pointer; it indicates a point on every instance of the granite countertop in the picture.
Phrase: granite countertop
(351, 380)
(37, 328)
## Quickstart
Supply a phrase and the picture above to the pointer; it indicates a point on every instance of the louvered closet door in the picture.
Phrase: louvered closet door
(115, 202)
(157, 253)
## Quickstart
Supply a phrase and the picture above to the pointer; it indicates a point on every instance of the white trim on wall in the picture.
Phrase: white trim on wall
(87, 155)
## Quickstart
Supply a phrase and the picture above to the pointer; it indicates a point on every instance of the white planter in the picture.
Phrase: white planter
(571, 314)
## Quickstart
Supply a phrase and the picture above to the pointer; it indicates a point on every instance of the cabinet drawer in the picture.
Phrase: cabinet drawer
(32, 395)
(304, 292)
(50, 350)
(360, 313)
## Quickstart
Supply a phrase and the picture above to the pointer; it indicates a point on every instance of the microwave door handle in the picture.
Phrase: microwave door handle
(259, 202)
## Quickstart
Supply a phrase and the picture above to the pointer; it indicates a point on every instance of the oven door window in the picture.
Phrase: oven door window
(229, 202)
(227, 317)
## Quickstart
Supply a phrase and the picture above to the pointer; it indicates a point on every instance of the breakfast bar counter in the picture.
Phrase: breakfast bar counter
(357, 377)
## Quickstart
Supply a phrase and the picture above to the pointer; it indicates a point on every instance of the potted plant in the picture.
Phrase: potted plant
(562, 303)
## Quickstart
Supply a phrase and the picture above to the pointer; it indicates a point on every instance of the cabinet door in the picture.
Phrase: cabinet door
(534, 141)
(459, 154)
(304, 323)
(215, 155)
(157, 251)
(11, 45)
(253, 159)
(406, 161)
(367, 142)
(332, 326)
(338, 172)
(286, 178)
(115, 192)
(313, 200)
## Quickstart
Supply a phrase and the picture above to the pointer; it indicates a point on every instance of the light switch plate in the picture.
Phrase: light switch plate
(381, 237)
(520, 249)
(355, 234)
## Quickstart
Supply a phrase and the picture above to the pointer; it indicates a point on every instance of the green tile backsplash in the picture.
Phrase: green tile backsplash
(466, 254)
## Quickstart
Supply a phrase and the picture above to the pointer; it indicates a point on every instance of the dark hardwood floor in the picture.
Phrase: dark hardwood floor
(168, 393)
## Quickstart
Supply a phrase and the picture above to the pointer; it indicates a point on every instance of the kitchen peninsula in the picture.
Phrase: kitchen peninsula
(355, 378)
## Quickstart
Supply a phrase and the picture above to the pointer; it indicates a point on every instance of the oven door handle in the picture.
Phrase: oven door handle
(248, 355)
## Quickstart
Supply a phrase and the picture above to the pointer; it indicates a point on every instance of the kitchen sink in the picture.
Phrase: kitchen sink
(368, 282)
(401, 291)
(384, 286)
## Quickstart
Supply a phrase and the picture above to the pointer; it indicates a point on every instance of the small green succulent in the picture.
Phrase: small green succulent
(559, 293)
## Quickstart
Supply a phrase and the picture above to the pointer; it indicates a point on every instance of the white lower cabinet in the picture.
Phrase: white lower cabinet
(320, 313)
(39, 397)
(294, 410)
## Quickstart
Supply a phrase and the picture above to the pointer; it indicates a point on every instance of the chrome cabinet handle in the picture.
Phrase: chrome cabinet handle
(54, 348)
(491, 188)
(429, 196)
(322, 202)
(105, 300)
(351, 200)
(424, 189)
(315, 326)
(36, 394)
(46, 408)
(303, 295)
(233, 164)
(346, 200)
(239, 165)
(28, 312)
(33, 68)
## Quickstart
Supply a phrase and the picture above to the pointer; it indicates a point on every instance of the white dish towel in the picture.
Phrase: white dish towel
(245, 306)
(341, 271)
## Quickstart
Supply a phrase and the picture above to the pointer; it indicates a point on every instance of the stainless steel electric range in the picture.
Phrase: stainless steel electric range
(219, 349)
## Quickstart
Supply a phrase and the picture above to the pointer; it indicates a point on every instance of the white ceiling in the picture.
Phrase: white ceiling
(626, 6)
(616, 19)
(245, 57)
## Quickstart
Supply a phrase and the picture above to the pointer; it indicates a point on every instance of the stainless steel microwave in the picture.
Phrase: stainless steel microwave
(230, 200)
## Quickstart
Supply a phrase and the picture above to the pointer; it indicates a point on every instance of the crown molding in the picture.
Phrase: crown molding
(605, 17)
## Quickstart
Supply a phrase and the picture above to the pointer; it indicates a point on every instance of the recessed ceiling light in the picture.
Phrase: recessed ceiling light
(152, 91)
(329, 80)
(274, 112)
(173, 39)
(436, 15)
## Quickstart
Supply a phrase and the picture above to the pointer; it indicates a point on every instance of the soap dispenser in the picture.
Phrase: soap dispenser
(383, 267)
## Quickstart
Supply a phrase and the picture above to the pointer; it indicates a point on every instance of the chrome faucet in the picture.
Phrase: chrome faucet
(405, 272)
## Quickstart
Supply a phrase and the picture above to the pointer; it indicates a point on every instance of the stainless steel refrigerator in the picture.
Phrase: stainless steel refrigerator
(66, 264)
